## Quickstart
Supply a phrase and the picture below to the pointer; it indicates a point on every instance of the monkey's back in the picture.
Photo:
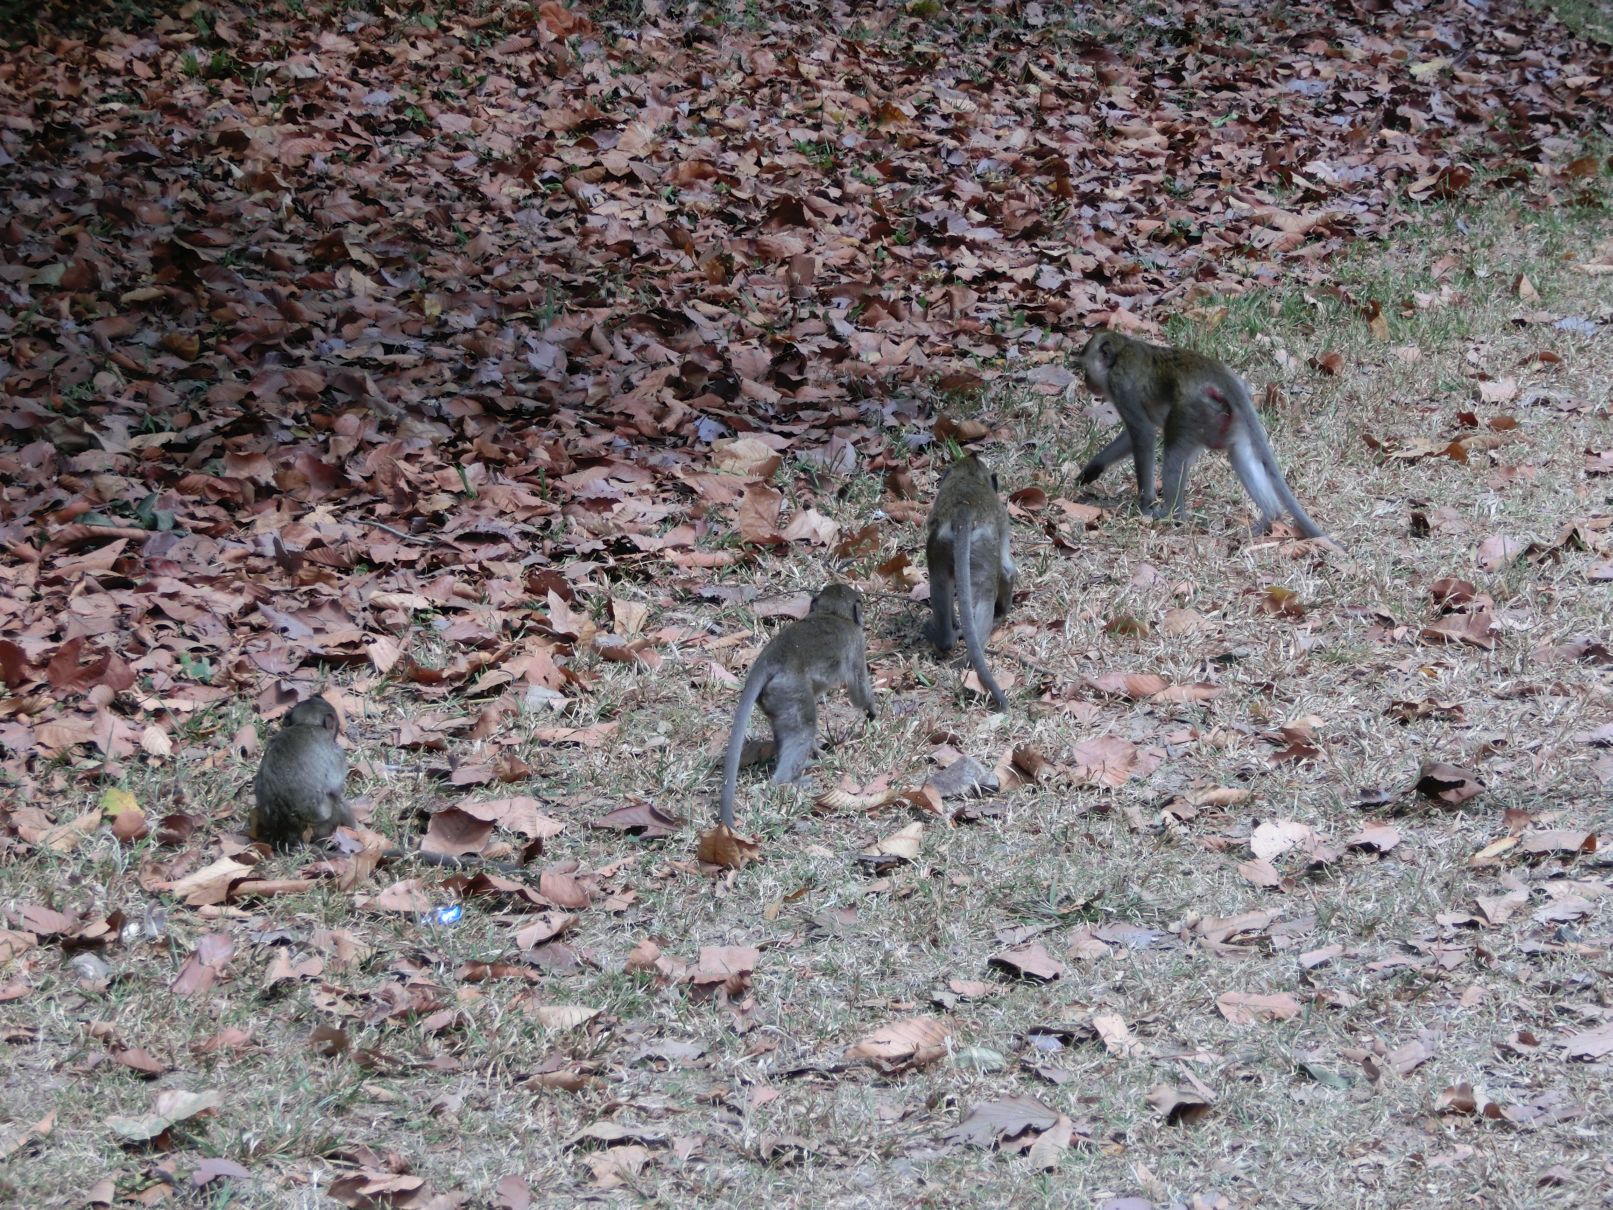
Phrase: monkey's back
(1161, 374)
(298, 786)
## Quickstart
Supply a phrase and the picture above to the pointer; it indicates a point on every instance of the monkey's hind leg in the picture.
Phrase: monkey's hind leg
(940, 630)
(1005, 582)
(1142, 455)
(1180, 455)
(795, 734)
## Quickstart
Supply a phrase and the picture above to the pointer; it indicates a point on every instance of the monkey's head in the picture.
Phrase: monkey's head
(314, 712)
(840, 600)
(972, 466)
(1098, 358)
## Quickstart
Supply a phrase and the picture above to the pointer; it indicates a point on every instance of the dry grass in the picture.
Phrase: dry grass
(739, 1105)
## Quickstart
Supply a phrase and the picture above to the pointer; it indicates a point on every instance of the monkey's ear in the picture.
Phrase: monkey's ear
(857, 614)
(1108, 350)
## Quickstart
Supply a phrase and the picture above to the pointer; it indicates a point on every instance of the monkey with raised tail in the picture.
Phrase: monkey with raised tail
(824, 650)
(1199, 404)
(967, 548)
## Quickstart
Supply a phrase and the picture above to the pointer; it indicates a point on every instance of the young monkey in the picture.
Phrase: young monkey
(823, 651)
(1200, 404)
(967, 548)
(298, 789)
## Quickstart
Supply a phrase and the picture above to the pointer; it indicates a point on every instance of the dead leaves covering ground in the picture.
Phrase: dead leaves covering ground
(457, 353)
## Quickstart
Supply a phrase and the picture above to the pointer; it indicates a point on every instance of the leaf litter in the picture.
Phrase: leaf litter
(475, 354)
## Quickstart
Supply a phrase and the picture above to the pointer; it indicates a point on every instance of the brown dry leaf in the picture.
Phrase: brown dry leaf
(1282, 602)
(1107, 760)
(563, 1016)
(65, 838)
(202, 968)
(729, 850)
(1127, 627)
(1590, 1044)
(1491, 852)
(1272, 838)
(746, 456)
(1179, 1106)
(1049, 1148)
(909, 1043)
(1179, 622)
(1476, 629)
(1117, 1037)
(1559, 840)
(1246, 1008)
(1030, 961)
(1447, 784)
(1378, 838)
(1498, 909)
(1136, 685)
(1261, 873)
(1497, 551)
(407, 897)
(758, 513)
(208, 885)
(1457, 1099)
(901, 845)
(991, 1123)
(169, 1106)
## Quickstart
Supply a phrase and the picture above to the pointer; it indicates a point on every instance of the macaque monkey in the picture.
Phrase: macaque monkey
(298, 789)
(802, 662)
(967, 549)
(1201, 405)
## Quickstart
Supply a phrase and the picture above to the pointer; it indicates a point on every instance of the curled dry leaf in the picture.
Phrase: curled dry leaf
(1179, 1106)
(170, 1106)
(563, 1016)
(719, 846)
(836, 798)
(1379, 838)
(1030, 961)
(1049, 1148)
(1559, 840)
(1282, 602)
(901, 845)
(1135, 685)
(1179, 622)
(913, 1042)
(1498, 550)
(1127, 627)
(1117, 1037)
(1446, 783)
(991, 1123)
(1476, 629)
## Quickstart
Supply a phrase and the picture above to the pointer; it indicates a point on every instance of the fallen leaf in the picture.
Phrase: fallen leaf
(912, 1042)
(1246, 1008)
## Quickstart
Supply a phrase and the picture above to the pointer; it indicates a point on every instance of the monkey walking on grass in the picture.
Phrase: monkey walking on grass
(1199, 404)
(967, 548)
(824, 650)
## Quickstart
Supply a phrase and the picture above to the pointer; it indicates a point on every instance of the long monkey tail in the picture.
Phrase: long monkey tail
(736, 744)
(962, 540)
(1270, 490)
